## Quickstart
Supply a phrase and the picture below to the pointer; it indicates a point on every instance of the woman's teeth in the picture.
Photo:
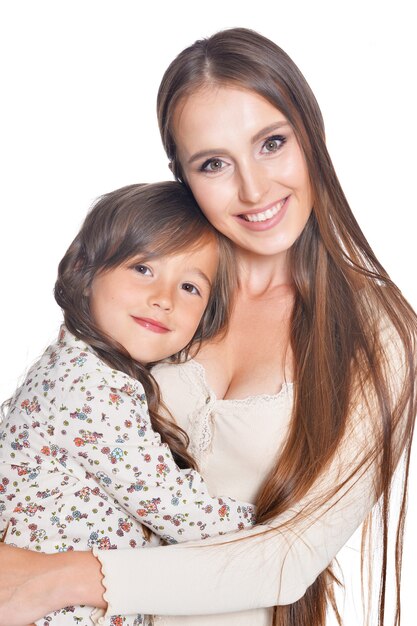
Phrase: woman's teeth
(265, 215)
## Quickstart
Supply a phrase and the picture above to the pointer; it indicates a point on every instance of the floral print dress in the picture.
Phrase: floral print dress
(81, 467)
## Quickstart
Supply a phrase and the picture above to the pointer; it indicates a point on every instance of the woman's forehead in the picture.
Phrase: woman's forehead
(220, 113)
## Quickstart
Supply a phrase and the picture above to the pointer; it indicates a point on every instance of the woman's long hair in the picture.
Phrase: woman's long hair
(148, 221)
(342, 294)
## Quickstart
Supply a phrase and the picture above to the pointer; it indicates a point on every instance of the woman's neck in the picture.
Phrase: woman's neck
(263, 275)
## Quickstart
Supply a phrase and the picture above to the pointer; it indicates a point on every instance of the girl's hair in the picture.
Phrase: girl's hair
(342, 294)
(150, 221)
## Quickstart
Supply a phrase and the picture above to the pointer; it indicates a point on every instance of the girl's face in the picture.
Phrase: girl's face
(245, 167)
(153, 307)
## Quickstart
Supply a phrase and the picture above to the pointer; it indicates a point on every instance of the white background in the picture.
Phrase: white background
(78, 88)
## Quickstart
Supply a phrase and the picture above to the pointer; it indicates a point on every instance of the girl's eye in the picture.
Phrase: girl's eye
(273, 144)
(143, 269)
(192, 289)
(212, 165)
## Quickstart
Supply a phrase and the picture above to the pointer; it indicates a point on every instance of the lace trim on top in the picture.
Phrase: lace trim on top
(284, 392)
(201, 421)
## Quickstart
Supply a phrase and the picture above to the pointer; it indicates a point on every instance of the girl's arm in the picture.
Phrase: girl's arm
(109, 433)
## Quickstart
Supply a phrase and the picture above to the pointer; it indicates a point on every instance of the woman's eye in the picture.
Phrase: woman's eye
(189, 288)
(212, 165)
(143, 269)
(273, 144)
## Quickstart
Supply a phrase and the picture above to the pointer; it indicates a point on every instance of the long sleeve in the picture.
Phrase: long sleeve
(260, 569)
(109, 433)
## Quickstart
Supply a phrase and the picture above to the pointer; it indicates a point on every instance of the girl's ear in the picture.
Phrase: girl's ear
(83, 277)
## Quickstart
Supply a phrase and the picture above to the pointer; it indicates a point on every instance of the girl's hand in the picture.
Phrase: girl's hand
(33, 584)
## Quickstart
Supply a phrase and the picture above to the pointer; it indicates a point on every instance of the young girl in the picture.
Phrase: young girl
(85, 454)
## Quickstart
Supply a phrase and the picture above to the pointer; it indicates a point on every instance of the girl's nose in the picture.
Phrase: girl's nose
(162, 299)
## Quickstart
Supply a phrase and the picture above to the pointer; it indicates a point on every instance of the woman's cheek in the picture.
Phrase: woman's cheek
(212, 198)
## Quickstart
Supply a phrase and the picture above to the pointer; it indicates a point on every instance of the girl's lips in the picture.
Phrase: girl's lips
(150, 324)
(265, 218)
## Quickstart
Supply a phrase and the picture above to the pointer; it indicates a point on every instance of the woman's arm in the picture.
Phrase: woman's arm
(33, 584)
(257, 570)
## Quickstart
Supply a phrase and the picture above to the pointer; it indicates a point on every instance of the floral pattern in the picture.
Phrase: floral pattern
(81, 467)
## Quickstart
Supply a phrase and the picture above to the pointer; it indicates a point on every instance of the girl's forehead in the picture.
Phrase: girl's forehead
(177, 250)
(199, 260)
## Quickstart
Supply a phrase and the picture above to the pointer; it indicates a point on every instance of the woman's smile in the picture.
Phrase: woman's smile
(266, 218)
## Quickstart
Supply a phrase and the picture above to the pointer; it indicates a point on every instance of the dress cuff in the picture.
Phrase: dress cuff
(98, 616)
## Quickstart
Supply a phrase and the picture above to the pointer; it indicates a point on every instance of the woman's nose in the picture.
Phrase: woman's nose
(253, 184)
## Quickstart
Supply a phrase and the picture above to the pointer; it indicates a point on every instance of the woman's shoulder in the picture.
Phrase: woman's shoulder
(183, 386)
(389, 321)
(397, 332)
(386, 367)
(168, 373)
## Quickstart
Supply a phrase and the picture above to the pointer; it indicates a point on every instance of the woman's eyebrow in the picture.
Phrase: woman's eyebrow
(259, 135)
(269, 129)
(205, 153)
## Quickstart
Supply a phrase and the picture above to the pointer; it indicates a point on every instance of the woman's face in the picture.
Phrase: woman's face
(245, 167)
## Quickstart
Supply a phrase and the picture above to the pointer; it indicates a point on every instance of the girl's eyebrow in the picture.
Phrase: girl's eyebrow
(201, 274)
(261, 133)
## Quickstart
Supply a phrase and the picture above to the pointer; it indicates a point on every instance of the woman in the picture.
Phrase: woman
(314, 308)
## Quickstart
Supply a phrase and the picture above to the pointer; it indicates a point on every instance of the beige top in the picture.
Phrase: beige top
(236, 442)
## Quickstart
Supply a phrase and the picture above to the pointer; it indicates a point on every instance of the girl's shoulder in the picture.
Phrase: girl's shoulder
(70, 364)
